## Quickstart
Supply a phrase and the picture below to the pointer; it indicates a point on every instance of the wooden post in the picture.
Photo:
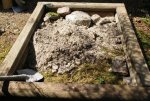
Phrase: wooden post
(7, 4)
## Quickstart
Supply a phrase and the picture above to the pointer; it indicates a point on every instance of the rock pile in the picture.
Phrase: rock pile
(66, 43)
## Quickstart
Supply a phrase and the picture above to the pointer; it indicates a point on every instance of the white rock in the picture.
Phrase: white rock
(116, 18)
(2, 29)
(78, 61)
(79, 18)
(54, 70)
(42, 25)
(95, 18)
(16, 31)
(55, 67)
(110, 69)
(68, 65)
(63, 11)
(46, 18)
(61, 71)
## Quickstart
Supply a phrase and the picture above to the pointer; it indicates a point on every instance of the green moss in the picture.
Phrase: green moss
(86, 73)
(53, 14)
(146, 20)
(145, 42)
(4, 52)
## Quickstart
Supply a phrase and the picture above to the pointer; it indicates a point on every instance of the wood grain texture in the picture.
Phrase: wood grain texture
(139, 70)
(72, 91)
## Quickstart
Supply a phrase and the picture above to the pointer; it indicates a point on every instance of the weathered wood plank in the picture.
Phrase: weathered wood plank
(72, 91)
(14, 56)
(139, 69)
(84, 6)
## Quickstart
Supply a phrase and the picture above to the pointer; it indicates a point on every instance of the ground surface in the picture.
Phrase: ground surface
(11, 24)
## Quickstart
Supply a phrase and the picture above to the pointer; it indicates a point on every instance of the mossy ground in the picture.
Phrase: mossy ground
(4, 48)
(86, 74)
(143, 33)
(146, 20)
(145, 41)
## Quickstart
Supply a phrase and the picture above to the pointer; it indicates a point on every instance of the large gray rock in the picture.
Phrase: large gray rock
(79, 18)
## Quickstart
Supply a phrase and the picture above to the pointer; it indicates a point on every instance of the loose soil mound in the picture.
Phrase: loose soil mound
(66, 52)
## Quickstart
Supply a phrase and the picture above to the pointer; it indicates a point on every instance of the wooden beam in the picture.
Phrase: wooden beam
(85, 6)
(73, 91)
(139, 70)
(7, 4)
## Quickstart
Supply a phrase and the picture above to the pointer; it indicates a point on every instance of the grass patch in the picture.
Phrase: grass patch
(113, 53)
(145, 42)
(4, 51)
(86, 73)
(52, 14)
(146, 20)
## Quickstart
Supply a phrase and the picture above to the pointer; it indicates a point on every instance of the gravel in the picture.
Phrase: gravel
(62, 45)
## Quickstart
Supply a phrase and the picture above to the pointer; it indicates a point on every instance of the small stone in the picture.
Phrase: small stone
(95, 18)
(119, 65)
(46, 18)
(63, 11)
(68, 65)
(116, 18)
(110, 69)
(127, 80)
(72, 66)
(54, 70)
(46, 23)
(16, 31)
(79, 18)
(55, 67)
(77, 61)
(2, 30)
(42, 24)
(49, 65)
(118, 40)
(61, 71)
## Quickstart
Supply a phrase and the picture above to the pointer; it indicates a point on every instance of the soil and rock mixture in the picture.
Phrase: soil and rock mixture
(11, 25)
(16, 21)
(60, 50)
